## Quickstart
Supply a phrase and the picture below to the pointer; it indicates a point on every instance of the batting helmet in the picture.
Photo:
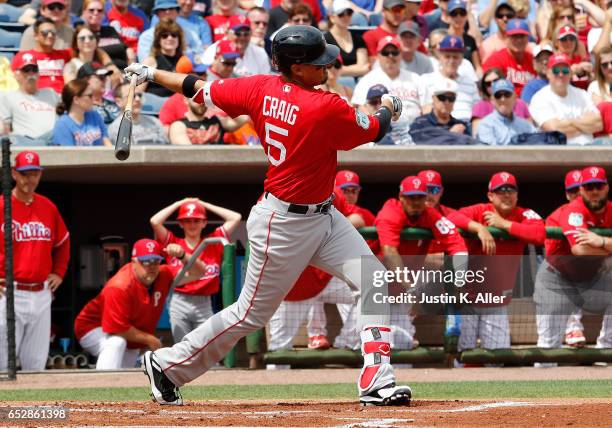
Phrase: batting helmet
(302, 44)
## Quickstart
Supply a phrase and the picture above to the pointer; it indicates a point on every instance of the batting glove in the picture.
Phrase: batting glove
(144, 72)
(396, 111)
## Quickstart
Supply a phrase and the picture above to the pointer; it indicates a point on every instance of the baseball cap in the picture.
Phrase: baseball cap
(431, 177)
(191, 210)
(165, 4)
(227, 49)
(92, 69)
(442, 85)
(236, 22)
(456, 4)
(503, 3)
(146, 249)
(593, 174)
(339, 6)
(557, 59)
(541, 49)
(387, 40)
(566, 31)
(388, 4)
(413, 185)
(409, 27)
(23, 59)
(27, 161)
(502, 85)
(451, 44)
(48, 2)
(517, 26)
(346, 178)
(573, 179)
(500, 179)
(376, 91)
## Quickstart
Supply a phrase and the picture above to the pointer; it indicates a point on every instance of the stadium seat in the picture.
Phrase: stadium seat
(152, 104)
(13, 27)
(9, 39)
(10, 13)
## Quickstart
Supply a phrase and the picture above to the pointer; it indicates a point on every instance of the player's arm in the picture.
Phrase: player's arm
(391, 109)
(185, 84)
(356, 220)
(231, 218)
(392, 258)
(158, 220)
(138, 336)
(196, 271)
(590, 244)
(231, 125)
(178, 134)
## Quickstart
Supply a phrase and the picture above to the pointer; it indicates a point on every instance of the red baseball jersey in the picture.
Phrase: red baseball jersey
(50, 67)
(219, 24)
(576, 215)
(392, 219)
(518, 73)
(125, 302)
(501, 269)
(41, 242)
(301, 131)
(551, 246)
(211, 256)
(458, 219)
(314, 6)
(128, 25)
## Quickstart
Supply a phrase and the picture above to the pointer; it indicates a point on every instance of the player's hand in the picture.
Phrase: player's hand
(394, 104)
(458, 128)
(495, 220)
(174, 250)
(586, 237)
(487, 241)
(144, 72)
(54, 281)
(154, 343)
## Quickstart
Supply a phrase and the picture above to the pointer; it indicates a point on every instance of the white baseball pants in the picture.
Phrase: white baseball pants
(110, 349)
(489, 324)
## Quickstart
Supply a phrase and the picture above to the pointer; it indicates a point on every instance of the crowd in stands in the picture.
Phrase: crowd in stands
(498, 72)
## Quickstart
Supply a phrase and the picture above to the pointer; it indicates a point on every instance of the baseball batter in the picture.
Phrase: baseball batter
(190, 304)
(121, 320)
(41, 251)
(295, 224)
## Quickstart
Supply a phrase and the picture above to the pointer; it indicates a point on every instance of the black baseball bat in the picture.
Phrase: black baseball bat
(124, 135)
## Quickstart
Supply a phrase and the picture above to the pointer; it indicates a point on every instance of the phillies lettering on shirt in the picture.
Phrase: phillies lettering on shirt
(125, 302)
(518, 73)
(41, 243)
(212, 256)
(296, 154)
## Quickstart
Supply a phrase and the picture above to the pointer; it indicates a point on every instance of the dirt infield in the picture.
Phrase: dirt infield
(420, 413)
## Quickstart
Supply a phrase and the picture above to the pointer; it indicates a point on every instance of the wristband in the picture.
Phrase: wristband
(189, 85)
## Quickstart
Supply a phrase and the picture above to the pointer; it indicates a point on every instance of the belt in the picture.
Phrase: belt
(322, 208)
(23, 286)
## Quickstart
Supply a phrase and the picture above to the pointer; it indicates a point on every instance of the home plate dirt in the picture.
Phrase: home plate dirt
(519, 412)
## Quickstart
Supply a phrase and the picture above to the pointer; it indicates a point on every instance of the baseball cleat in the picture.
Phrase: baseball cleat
(163, 391)
(575, 338)
(318, 342)
(388, 396)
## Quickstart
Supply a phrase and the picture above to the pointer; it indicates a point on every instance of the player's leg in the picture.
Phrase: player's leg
(286, 322)
(92, 341)
(604, 340)
(21, 305)
(179, 312)
(470, 320)
(338, 291)
(494, 328)
(316, 326)
(401, 326)
(346, 255)
(112, 349)
(34, 350)
(574, 330)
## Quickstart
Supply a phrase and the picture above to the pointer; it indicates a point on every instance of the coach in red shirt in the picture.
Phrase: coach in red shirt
(514, 59)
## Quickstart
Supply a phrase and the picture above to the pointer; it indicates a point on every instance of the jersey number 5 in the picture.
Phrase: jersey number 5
(271, 142)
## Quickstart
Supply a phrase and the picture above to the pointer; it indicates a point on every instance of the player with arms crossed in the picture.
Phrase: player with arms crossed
(294, 225)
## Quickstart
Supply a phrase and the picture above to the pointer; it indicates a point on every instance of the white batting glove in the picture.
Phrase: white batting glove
(144, 72)
(396, 104)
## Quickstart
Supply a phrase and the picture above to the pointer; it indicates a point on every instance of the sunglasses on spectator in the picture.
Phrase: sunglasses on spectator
(243, 33)
(561, 70)
(433, 190)
(54, 7)
(147, 263)
(392, 52)
(462, 13)
(507, 16)
(229, 63)
(47, 33)
(94, 10)
(88, 38)
(502, 94)
(444, 98)
(568, 17)
(569, 38)
(301, 20)
(30, 69)
(348, 12)
(593, 186)
(166, 35)
(508, 190)
(607, 64)
(262, 23)
(337, 65)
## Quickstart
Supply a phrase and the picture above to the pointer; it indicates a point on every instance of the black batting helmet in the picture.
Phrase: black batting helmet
(302, 44)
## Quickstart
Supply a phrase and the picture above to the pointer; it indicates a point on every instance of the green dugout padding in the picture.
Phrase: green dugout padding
(310, 358)
(534, 355)
(228, 296)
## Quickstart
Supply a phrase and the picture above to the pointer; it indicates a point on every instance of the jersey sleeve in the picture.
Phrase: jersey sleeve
(459, 219)
(341, 205)
(472, 212)
(446, 233)
(389, 224)
(233, 96)
(571, 219)
(352, 126)
(530, 229)
(116, 311)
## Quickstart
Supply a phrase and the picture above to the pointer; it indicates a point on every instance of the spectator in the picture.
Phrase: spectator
(601, 88)
(225, 61)
(79, 124)
(352, 47)
(457, 13)
(466, 68)
(49, 60)
(332, 84)
(523, 9)
(451, 55)
(599, 38)
(253, 59)
(279, 16)
(565, 108)
(514, 60)
(120, 322)
(56, 12)
(259, 19)
(173, 109)
(439, 18)
(412, 59)
(168, 47)
(145, 129)
(219, 22)
(366, 13)
(96, 76)
(401, 83)
(566, 42)
(301, 14)
(127, 20)
(193, 21)
(560, 18)
(28, 114)
(412, 15)
(504, 12)
(542, 54)
(443, 95)
(485, 106)
(499, 127)
(108, 38)
(393, 14)
(373, 103)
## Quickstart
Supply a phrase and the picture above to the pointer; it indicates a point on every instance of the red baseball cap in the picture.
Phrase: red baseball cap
(431, 177)
(573, 179)
(413, 185)
(237, 22)
(346, 178)
(147, 249)
(21, 59)
(192, 210)
(565, 31)
(593, 174)
(558, 59)
(500, 179)
(48, 2)
(27, 161)
(227, 49)
(387, 40)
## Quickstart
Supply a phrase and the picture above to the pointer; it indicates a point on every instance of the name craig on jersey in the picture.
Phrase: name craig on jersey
(280, 109)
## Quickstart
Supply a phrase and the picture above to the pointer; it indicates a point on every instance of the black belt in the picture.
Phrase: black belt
(322, 208)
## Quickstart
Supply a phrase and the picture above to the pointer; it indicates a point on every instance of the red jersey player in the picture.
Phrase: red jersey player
(295, 224)
(41, 250)
(121, 320)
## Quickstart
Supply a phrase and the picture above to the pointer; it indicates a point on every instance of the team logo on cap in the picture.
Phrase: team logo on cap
(150, 247)
(453, 41)
(430, 176)
(348, 176)
(416, 183)
(594, 171)
(504, 176)
(577, 176)
(29, 157)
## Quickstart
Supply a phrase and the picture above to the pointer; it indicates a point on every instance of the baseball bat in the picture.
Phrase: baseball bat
(194, 256)
(124, 135)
